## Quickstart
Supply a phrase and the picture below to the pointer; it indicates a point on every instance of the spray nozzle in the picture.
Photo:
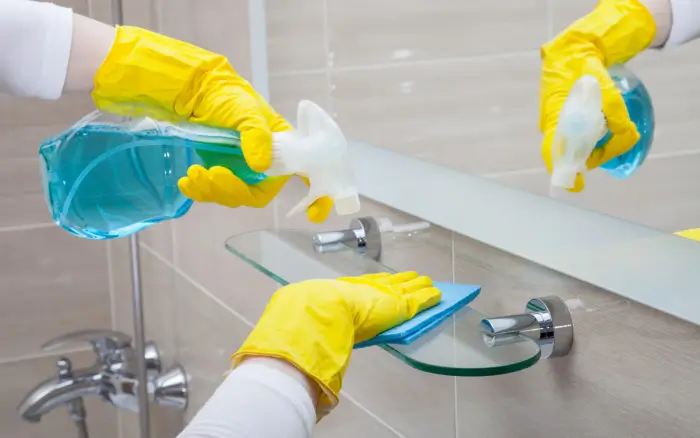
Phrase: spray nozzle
(581, 125)
(317, 149)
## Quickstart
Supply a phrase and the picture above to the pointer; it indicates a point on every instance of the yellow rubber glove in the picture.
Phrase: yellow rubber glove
(146, 68)
(314, 324)
(693, 234)
(218, 184)
(613, 33)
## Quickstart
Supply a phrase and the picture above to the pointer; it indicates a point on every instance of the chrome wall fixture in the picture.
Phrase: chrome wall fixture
(546, 320)
(113, 377)
(363, 236)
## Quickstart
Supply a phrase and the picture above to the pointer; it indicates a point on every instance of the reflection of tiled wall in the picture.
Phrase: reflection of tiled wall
(52, 283)
(456, 83)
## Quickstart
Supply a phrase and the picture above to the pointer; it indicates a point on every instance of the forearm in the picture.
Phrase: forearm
(46, 49)
(261, 398)
(677, 21)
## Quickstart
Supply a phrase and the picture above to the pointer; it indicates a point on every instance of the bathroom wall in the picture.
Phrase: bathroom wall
(51, 282)
(456, 83)
(404, 63)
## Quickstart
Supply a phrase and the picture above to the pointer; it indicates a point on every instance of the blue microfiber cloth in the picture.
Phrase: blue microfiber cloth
(454, 297)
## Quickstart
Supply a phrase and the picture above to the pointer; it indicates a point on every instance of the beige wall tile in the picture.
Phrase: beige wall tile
(475, 116)
(220, 26)
(200, 253)
(16, 112)
(669, 78)
(101, 10)
(415, 403)
(159, 238)
(350, 421)
(141, 13)
(18, 378)
(23, 209)
(286, 91)
(366, 32)
(20, 186)
(78, 6)
(295, 35)
(53, 283)
(609, 385)
(565, 13)
(660, 195)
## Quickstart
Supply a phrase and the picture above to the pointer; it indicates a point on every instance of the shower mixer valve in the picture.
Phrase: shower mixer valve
(113, 377)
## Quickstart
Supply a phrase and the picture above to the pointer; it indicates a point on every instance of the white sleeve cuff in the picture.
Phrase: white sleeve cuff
(35, 45)
(686, 22)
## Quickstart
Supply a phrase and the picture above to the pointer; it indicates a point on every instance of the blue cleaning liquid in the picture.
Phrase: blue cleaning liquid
(104, 181)
(641, 113)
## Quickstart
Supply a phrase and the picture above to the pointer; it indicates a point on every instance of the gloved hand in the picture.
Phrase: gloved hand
(314, 324)
(143, 67)
(613, 33)
(693, 234)
(218, 184)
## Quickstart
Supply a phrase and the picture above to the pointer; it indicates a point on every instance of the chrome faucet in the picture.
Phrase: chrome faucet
(113, 377)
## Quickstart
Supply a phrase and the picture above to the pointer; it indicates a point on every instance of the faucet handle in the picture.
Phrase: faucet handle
(103, 342)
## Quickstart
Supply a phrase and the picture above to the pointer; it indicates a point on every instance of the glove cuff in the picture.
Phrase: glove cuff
(618, 29)
(310, 326)
(144, 67)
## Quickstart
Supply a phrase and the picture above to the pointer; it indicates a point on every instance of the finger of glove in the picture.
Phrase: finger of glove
(416, 284)
(256, 137)
(421, 300)
(276, 122)
(231, 191)
(402, 277)
(196, 185)
(320, 210)
(618, 121)
(616, 146)
(379, 277)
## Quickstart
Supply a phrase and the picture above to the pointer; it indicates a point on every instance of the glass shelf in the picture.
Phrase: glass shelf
(455, 348)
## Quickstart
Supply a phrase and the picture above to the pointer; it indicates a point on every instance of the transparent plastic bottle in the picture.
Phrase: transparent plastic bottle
(582, 128)
(641, 111)
(109, 176)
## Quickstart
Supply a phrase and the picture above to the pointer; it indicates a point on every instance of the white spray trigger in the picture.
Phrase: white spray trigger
(581, 125)
(317, 149)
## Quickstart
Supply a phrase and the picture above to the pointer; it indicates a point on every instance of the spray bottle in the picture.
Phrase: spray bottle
(109, 176)
(582, 128)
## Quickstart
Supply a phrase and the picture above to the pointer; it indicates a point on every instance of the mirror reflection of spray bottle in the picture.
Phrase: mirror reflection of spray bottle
(582, 128)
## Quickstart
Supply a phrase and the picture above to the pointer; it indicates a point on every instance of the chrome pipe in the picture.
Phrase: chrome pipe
(139, 337)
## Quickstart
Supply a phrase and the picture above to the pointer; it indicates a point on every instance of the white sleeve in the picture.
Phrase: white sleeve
(686, 22)
(255, 401)
(35, 45)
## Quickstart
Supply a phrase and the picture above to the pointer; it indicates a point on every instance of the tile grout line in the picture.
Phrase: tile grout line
(27, 227)
(372, 415)
(536, 170)
(399, 64)
(218, 301)
(42, 355)
(329, 59)
(194, 283)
